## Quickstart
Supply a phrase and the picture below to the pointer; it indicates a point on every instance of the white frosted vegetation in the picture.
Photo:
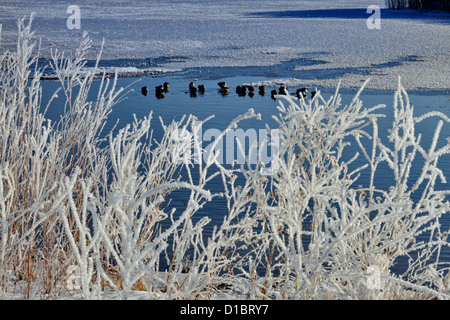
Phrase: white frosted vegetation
(310, 231)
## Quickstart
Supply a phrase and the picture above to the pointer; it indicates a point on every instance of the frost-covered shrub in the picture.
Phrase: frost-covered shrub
(326, 234)
(71, 200)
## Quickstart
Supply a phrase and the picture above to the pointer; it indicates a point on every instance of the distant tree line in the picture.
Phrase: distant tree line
(419, 4)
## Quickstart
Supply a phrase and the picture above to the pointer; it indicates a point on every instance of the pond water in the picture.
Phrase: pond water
(178, 102)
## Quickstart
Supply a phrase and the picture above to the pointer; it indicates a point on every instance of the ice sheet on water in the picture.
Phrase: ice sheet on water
(121, 72)
(249, 33)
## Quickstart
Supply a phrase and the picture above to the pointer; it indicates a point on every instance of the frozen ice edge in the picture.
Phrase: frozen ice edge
(424, 73)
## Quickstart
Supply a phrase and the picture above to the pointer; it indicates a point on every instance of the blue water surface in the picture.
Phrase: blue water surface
(178, 102)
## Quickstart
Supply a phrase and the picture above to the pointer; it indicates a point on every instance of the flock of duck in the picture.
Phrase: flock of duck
(224, 90)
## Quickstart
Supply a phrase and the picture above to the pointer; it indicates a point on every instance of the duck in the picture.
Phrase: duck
(282, 90)
(159, 89)
(223, 88)
(241, 90)
(273, 94)
(262, 90)
(144, 90)
(166, 87)
(192, 89)
(250, 88)
(251, 94)
(201, 88)
(301, 93)
(222, 84)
